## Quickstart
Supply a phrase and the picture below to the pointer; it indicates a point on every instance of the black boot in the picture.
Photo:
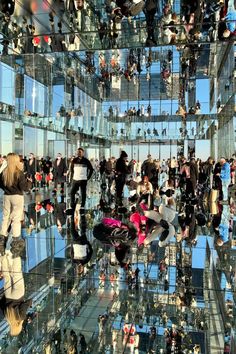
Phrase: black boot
(17, 247)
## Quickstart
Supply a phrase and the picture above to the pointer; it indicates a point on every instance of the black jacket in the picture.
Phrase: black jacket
(121, 168)
(79, 165)
(19, 186)
(193, 172)
(81, 243)
(59, 170)
(31, 169)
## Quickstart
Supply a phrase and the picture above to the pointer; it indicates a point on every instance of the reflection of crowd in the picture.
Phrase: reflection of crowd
(142, 203)
(196, 22)
(6, 109)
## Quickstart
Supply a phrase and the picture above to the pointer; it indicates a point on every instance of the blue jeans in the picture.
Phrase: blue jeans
(225, 185)
(231, 6)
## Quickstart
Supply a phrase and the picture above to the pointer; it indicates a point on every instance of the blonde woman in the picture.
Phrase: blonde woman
(12, 304)
(14, 184)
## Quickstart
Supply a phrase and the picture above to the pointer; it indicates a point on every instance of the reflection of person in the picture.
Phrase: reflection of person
(59, 171)
(81, 249)
(121, 170)
(13, 183)
(225, 177)
(230, 20)
(81, 172)
(32, 167)
(59, 213)
(223, 233)
(83, 344)
(12, 304)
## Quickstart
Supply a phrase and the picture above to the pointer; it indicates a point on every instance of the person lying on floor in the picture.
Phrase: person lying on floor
(163, 228)
(112, 232)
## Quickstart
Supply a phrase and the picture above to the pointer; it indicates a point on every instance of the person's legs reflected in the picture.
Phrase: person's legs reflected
(14, 286)
(74, 189)
(225, 186)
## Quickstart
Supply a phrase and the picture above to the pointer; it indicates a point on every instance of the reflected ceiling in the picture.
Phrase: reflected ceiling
(49, 26)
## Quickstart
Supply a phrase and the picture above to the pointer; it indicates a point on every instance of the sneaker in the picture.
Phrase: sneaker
(3, 241)
(17, 247)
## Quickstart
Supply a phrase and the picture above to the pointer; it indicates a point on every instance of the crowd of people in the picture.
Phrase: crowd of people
(195, 21)
(141, 204)
(158, 192)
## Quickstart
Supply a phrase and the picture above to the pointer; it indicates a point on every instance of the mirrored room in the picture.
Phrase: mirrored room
(117, 176)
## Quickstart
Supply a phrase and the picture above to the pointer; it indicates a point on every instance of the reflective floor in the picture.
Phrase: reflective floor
(105, 299)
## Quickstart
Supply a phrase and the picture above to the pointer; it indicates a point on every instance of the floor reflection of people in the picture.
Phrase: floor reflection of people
(12, 304)
(81, 249)
(59, 213)
(223, 230)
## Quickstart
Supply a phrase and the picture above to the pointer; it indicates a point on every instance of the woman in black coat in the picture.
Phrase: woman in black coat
(59, 172)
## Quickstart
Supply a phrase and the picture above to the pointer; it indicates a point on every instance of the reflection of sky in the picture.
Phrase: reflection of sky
(202, 94)
(228, 292)
(7, 81)
(199, 253)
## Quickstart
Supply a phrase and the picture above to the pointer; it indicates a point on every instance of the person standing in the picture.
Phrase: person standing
(81, 171)
(32, 167)
(102, 166)
(191, 186)
(121, 171)
(172, 168)
(59, 172)
(73, 342)
(225, 177)
(14, 184)
(83, 344)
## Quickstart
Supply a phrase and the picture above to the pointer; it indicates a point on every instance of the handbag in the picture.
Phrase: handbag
(214, 194)
(136, 7)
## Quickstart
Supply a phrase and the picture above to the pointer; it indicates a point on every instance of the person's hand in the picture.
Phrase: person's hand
(115, 243)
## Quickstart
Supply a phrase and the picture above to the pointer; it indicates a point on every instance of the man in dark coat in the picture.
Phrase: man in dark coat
(121, 171)
(32, 166)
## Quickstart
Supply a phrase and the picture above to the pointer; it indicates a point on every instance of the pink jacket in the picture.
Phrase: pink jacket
(138, 220)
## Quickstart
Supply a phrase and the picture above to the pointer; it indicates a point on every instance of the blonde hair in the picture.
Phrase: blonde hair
(14, 322)
(13, 169)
